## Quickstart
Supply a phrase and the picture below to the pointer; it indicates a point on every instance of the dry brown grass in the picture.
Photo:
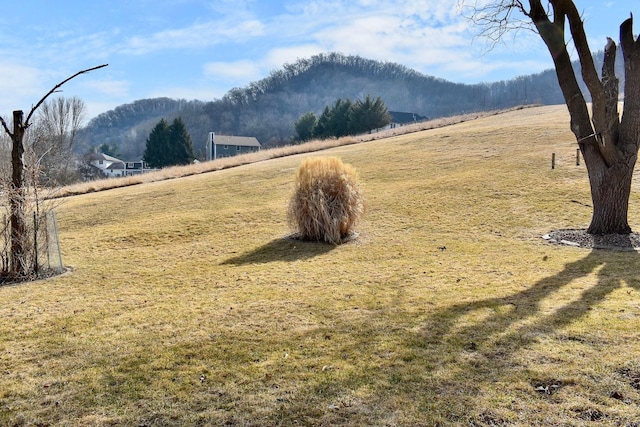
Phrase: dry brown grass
(203, 167)
(274, 153)
(327, 201)
(187, 305)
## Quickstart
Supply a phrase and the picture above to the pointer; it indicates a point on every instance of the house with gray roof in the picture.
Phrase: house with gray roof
(229, 145)
(113, 167)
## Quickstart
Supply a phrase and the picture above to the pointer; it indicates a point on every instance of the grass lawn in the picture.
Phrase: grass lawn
(187, 305)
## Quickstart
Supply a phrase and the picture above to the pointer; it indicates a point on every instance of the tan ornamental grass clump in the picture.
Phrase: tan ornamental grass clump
(327, 201)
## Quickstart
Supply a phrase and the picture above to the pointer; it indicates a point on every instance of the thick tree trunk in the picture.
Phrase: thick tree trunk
(609, 145)
(610, 189)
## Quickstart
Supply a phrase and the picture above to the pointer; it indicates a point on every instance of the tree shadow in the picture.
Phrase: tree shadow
(395, 363)
(283, 249)
(516, 320)
(485, 342)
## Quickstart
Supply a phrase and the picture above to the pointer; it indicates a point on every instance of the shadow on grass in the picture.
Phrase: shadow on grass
(614, 270)
(284, 249)
(487, 335)
(384, 369)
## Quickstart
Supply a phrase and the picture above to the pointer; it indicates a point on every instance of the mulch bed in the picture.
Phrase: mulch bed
(582, 239)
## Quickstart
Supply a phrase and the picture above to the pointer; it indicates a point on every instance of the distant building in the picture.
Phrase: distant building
(402, 118)
(227, 145)
(112, 167)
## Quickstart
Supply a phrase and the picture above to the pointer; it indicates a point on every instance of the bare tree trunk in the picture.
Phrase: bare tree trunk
(608, 145)
(19, 265)
(16, 198)
(610, 189)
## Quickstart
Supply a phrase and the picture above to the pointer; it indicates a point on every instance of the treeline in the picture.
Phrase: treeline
(268, 109)
(344, 118)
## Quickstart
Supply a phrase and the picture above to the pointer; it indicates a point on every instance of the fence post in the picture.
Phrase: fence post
(35, 242)
(577, 157)
(55, 229)
(553, 160)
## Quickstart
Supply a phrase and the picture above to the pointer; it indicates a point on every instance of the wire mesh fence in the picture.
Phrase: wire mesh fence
(41, 252)
(47, 243)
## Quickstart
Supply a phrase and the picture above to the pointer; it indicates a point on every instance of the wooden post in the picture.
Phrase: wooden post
(35, 243)
(577, 157)
(553, 160)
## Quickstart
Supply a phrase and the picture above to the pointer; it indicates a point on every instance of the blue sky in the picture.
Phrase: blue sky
(196, 49)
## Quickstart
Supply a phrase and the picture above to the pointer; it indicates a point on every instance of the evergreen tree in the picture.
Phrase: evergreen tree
(323, 127)
(156, 153)
(339, 119)
(169, 145)
(334, 121)
(180, 143)
(368, 115)
(305, 126)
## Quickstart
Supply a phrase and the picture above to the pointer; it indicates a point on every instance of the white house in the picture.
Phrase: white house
(113, 167)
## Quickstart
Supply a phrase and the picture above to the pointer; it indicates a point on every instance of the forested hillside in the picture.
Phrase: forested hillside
(128, 126)
(268, 108)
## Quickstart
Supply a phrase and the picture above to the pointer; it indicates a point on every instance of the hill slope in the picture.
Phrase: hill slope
(188, 306)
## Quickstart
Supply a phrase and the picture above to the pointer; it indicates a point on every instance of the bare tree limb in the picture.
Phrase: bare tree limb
(496, 19)
(56, 87)
(6, 128)
(576, 26)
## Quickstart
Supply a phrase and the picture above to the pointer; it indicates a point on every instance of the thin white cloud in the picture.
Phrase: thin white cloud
(244, 70)
(21, 87)
(198, 35)
(111, 88)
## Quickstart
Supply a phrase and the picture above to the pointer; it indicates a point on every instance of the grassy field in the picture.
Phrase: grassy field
(187, 305)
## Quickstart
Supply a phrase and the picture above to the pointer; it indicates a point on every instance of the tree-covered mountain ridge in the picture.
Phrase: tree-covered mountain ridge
(268, 108)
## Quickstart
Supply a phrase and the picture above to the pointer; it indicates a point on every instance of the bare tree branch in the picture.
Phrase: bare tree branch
(6, 128)
(56, 87)
(576, 26)
(496, 19)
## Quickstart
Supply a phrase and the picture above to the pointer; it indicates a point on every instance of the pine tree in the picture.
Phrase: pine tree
(169, 145)
(368, 115)
(156, 153)
(305, 125)
(323, 127)
(348, 118)
(334, 121)
(181, 144)
(339, 120)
